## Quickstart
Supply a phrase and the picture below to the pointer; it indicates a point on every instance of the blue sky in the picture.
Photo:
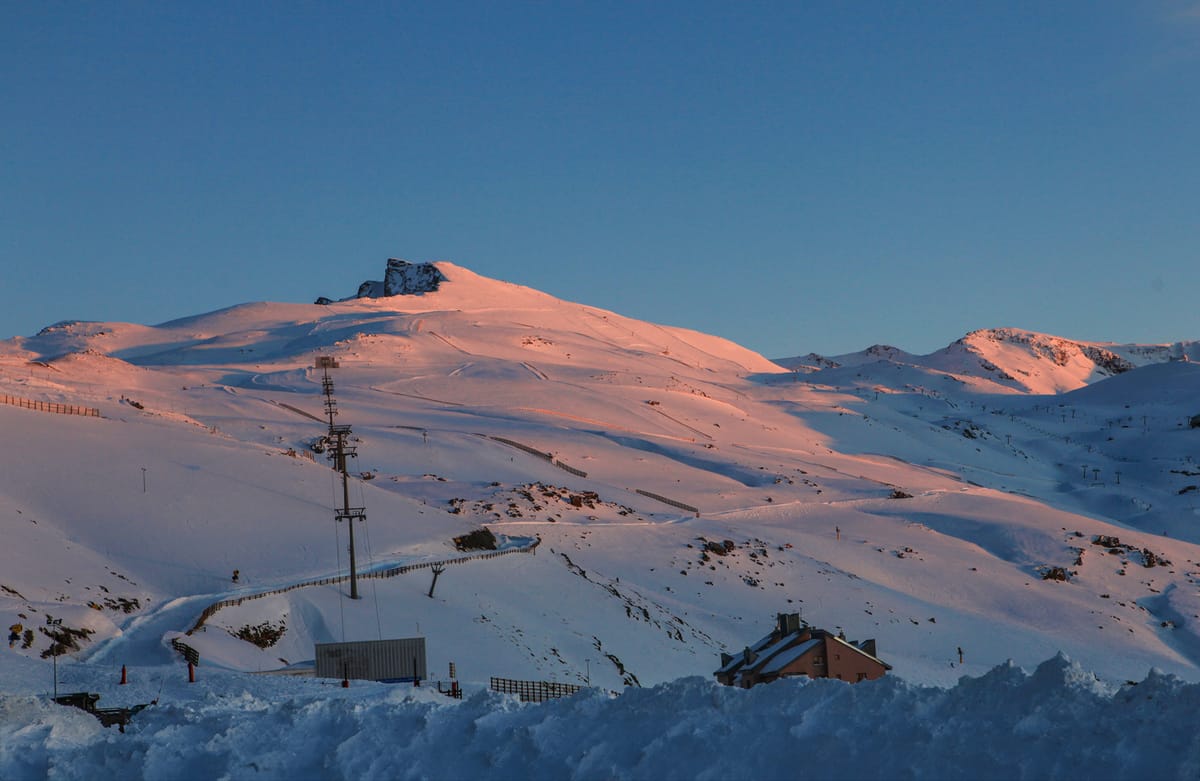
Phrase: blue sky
(803, 176)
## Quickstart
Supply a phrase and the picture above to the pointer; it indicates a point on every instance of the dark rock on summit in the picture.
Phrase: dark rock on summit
(410, 279)
(400, 279)
(370, 289)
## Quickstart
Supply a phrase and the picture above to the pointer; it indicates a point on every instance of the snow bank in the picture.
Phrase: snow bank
(1059, 722)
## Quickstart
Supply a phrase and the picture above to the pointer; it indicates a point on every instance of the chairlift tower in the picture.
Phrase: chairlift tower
(342, 450)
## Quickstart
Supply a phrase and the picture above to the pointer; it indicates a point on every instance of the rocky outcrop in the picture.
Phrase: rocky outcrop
(400, 279)
(1060, 351)
(1106, 360)
(410, 279)
(370, 289)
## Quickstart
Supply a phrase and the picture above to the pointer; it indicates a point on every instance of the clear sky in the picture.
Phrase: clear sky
(799, 176)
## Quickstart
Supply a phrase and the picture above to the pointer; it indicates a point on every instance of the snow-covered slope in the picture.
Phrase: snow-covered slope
(998, 360)
(915, 500)
(1057, 721)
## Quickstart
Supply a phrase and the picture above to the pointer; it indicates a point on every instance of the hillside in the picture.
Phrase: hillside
(917, 500)
(1008, 360)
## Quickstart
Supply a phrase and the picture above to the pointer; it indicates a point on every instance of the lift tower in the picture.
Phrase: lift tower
(342, 450)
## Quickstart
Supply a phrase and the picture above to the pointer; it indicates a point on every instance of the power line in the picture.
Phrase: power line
(342, 451)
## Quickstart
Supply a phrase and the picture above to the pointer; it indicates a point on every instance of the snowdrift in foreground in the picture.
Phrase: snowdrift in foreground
(1059, 722)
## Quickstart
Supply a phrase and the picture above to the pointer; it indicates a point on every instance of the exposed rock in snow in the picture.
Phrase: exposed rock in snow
(410, 279)
(400, 279)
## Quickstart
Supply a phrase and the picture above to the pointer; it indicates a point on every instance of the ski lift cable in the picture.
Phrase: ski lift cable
(362, 502)
(337, 537)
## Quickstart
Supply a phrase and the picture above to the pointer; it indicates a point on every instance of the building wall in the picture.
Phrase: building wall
(848, 665)
(833, 660)
(814, 664)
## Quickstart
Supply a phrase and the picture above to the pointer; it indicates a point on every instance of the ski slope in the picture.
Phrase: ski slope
(916, 500)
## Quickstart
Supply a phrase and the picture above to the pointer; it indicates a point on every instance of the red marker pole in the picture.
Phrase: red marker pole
(123, 679)
(191, 673)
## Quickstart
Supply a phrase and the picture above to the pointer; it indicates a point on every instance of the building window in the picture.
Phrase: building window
(862, 676)
(818, 660)
(837, 657)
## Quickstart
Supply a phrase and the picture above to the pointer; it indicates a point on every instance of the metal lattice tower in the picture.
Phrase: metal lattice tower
(327, 363)
(341, 453)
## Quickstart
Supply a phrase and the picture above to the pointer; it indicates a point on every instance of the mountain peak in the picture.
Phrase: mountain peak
(1006, 360)
(1061, 352)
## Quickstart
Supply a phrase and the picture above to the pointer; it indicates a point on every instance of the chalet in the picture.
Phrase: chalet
(793, 648)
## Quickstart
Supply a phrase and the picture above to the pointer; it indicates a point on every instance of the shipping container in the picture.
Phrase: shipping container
(390, 661)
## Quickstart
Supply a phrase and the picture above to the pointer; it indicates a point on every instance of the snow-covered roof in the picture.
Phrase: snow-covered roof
(739, 658)
(789, 655)
(785, 650)
(737, 661)
(776, 647)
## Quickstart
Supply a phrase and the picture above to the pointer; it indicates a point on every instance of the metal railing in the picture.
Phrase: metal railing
(533, 691)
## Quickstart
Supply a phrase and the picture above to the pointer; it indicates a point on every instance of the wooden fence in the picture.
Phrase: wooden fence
(533, 691)
(390, 572)
(49, 406)
(189, 653)
(671, 502)
(569, 468)
(539, 454)
(531, 451)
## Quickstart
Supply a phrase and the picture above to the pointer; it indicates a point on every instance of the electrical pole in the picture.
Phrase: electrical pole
(55, 645)
(342, 450)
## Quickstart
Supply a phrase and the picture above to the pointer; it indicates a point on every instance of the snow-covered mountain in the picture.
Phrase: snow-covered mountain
(1000, 360)
(961, 499)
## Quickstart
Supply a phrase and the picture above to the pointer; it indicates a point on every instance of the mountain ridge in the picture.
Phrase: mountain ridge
(854, 494)
(1015, 360)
